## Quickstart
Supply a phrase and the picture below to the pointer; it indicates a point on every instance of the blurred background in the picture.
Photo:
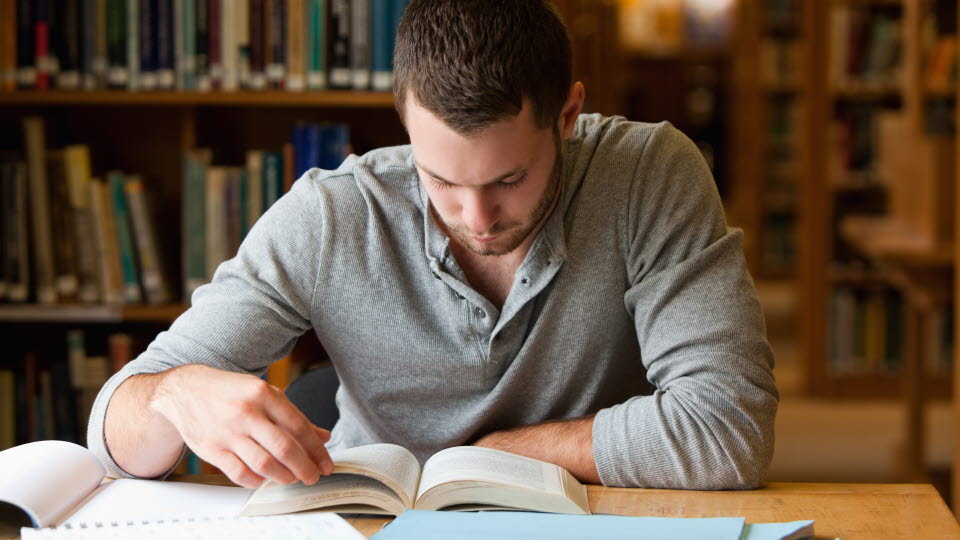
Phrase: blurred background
(141, 139)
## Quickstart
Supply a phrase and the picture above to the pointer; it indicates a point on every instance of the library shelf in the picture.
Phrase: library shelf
(325, 98)
(90, 313)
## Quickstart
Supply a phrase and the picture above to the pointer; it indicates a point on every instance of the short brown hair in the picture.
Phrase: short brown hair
(473, 63)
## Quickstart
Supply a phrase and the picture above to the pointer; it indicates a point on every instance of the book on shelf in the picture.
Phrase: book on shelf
(39, 210)
(62, 226)
(16, 238)
(387, 479)
(77, 158)
(865, 46)
(198, 45)
(866, 330)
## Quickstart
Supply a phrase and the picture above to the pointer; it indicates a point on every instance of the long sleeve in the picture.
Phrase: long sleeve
(709, 422)
(252, 312)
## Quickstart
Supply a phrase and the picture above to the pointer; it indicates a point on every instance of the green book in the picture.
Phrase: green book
(128, 261)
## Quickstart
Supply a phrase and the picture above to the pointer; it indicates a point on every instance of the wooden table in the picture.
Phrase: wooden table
(848, 511)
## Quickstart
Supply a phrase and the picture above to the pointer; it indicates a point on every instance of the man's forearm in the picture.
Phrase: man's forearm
(567, 443)
(140, 440)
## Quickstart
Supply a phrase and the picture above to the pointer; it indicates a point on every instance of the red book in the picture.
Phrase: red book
(287, 167)
(42, 50)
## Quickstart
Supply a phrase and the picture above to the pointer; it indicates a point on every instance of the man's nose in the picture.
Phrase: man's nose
(480, 212)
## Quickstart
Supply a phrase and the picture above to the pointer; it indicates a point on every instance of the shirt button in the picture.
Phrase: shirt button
(481, 313)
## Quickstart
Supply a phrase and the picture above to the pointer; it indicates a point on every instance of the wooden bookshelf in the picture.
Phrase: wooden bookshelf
(348, 99)
(94, 313)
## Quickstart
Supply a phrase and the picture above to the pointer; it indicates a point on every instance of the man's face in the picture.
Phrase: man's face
(490, 191)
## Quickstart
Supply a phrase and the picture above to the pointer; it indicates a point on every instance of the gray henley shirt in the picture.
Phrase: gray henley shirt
(633, 303)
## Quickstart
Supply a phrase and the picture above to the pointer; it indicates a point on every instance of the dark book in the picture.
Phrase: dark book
(163, 29)
(202, 45)
(68, 43)
(148, 45)
(213, 44)
(16, 264)
(26, 48)
(258, 75)
(66, 281)
(341, 75)
(117, 65)
(277, 43)
(360, 43)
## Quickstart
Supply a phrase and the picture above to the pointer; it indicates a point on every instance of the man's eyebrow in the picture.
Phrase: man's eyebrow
(500, 178)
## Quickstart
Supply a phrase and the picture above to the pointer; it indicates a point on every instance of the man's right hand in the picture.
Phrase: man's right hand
(242, 425)
(239, 423)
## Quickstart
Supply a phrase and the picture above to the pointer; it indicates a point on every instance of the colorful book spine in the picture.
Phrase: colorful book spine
(194, 216)
(241, 30)
(99, 60)
(381, 53)
(217, 233)
(360, 59)
(41, 36)
(272, 178)
(229, 53)
(213, 44)
(124, 234)
(316, 44)
(69, 45)
(188, 34)
(8, 410)
(105, 241)
(66, 281)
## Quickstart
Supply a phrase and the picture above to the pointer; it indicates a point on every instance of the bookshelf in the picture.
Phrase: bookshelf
(877, 199)
(770, 99)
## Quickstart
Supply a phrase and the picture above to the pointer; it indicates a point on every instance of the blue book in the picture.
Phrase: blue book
(311, 145)
(128, 262)
(335, 140)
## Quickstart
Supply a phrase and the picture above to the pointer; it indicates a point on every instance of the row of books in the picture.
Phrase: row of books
(221, 203)
(854, 144)
(69, 237)
(49, 394)
(198, 45)
(865, 46)
(940, 71)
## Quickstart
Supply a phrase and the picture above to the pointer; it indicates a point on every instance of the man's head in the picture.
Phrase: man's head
(484, 90)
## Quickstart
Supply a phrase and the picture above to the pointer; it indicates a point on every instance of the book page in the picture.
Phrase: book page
(334, 492)
(471, 463)
(389, 463)
(128, 500)
(48, 478)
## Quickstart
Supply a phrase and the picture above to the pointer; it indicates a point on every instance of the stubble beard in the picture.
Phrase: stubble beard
(517, 233)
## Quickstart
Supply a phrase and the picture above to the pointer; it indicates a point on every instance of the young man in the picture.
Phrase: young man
(513, 279)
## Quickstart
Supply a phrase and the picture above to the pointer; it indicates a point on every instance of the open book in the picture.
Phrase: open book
(387, 479)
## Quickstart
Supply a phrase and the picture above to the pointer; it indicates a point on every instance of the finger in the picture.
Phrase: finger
(262, 462)
(286, 450)
(288, 418)
(323, 434)
(237, 471)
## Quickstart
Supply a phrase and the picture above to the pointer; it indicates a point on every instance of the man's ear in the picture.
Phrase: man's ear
(571, 110)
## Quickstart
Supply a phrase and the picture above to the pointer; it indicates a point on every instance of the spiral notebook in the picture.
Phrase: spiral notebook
(57, 488)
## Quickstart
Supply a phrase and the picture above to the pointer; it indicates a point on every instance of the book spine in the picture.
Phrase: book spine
(78, 179)
(41, 43)
(148, 42)
(295, 46)
(241, 30)
(17, 237)
(194, 215)
(216, 219)
(254, 186)
(8, 414)
(233, 196)
(202, 44)
(154, 283)
(276, 68)
(117, 44)
(341, 75)
(46, 423)
(66, 281)
(213, 49)
(163, 28)
(120, 350)
(288, 165)
(258, 75)
(316, 44)
(70, 46)
(26, 47)
(360, 43)
(381, 17)
(5, 194)
(243, 204)
(99, 58)
(40, 210)
(178, 41)
(189, 37)
(272, 178)
(121, 221)
(112, 257)
(133, 44)
(229, 54)
(8, 36)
